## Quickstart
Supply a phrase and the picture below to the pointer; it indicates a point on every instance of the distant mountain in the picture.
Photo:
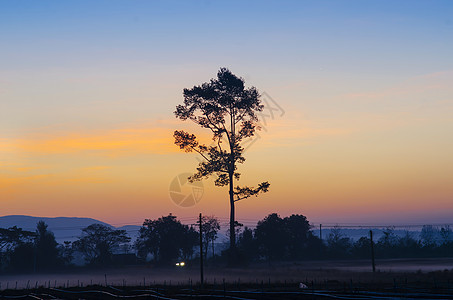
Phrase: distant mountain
(356, 234)
(132, 231)
(64, 228)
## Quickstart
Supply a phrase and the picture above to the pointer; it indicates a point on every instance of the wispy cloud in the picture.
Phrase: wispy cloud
(115, 142)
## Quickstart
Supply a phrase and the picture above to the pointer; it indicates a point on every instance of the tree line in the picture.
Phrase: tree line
(166, 240)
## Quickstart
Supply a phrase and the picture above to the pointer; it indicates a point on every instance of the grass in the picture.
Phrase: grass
(394, 277)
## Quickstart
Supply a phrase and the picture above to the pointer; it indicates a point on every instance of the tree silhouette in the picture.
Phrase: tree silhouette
(98, 242)
(445, 234)
(247, 246)
(271, 236)
(13, 236)
(66, 253)
(428, 235)
(228, 110)
(339, 244)
(46, 248)
(16, 248)
(284, 238)
(298, 231)
(166, 238)
(210, 226)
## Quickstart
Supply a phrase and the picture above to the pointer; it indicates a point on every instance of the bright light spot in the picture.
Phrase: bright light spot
(177, 264)
(182, 264)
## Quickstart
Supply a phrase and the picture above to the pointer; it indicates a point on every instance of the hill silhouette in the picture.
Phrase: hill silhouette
(64, 228)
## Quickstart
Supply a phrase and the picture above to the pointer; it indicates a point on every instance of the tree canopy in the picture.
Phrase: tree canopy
(98, 242)
(47, 253)
(229, 110)
(166, 239)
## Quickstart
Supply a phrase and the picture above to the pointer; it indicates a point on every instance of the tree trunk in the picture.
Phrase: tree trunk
(213, 252)
(232, 229)
(232, 256)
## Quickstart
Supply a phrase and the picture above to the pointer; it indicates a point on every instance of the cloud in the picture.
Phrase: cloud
(115, 142)
(95, 168)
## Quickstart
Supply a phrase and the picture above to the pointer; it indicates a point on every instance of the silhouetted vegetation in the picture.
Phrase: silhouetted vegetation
(16, 249)
(210, 227)
(166, 240)
(229, 111)
(98, 242)
(276, 239)
(47, 252)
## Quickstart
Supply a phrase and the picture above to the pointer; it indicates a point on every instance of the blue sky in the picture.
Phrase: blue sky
(351, 35)
(366, 86)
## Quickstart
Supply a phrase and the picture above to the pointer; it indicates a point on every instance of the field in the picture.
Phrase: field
(403, 278)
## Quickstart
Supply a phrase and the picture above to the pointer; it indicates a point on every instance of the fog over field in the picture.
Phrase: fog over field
(294, 272)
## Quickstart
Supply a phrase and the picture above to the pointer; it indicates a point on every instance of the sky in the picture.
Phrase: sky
(357, 126)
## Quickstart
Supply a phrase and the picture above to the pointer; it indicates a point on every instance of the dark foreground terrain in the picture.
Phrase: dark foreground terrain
(328, 289)
(394, 279)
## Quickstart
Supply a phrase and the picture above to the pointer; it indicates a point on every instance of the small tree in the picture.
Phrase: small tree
(385, 246)
(362, 247)
(271, 237)
(46, 248)
(98, 242)
(190, 239)
(16, 248)
(228, 110)
(210, 226)
(338, 244)
(298, 231)
(166, 238)
(428, 235)
(286, 238)
(408, 246)
(247, 246)
(66, 253)
(445, 234)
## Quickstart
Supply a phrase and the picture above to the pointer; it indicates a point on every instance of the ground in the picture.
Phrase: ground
(289, 272)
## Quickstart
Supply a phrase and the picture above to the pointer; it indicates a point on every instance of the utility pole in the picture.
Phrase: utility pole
(201, 252)
(372, 251)
(35, 258)
(320, 238)
(320, 232)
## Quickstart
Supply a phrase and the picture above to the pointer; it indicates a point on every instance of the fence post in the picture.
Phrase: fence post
(373, 265)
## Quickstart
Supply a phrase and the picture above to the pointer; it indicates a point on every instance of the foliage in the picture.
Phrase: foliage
(338, 244)
(15, 245)
(22, 258)
(386, 245)
(98, 242)
(429, 235)
(362, 248)
(271, 237)
(247, 246)
(286, 238)
(446, 235)
(11, 237)
(209, 226)
(228, 110)
(47, 253)
(298, 233)
(66, 253)
(166, 239)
